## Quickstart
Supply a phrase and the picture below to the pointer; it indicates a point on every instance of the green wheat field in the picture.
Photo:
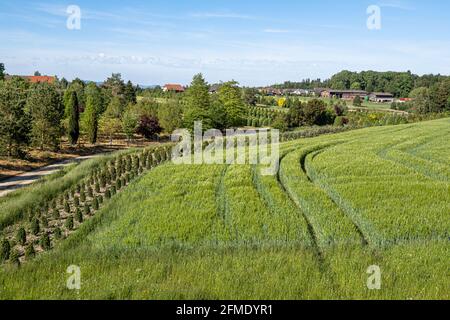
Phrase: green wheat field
(339, 204)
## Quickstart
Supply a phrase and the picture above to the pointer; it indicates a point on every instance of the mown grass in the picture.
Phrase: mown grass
(340, 204)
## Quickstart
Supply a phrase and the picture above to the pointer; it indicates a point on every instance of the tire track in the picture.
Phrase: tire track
(304, 167)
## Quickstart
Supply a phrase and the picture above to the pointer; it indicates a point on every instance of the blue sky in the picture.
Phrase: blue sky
(253, 42)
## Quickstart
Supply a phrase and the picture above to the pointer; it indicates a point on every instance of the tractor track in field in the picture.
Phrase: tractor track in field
(303, 165)
(222, 210)
(383, 154)
(310, 228)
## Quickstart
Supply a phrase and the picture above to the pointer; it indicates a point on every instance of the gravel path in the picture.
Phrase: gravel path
(11, 184)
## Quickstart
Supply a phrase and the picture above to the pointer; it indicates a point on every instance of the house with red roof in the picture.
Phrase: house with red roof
(173, 88)
(34, 79)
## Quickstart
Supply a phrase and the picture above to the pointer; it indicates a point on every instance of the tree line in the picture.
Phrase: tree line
(38, 115)
(400, 84)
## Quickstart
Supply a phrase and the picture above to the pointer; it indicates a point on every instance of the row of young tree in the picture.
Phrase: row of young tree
(43, 224)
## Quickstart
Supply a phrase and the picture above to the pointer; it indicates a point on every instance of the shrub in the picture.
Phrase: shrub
(119, 184)
(102, 181)
(55, 214)
(69, 223)
(87, 209)
(90, 192)
(113, 190)
(58, 233)
(107, 194)
(44, 222)
(5, 250)
(66, 207)
(29, 251)
(14, 257)
(78, 216)
(76, 201)
(100, 199)
(45, 242)
(21, 236)
(97, 187)
(35, 228)
(82, 195)
(95, 204)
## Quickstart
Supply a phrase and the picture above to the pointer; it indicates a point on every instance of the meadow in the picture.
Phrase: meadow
(339, 204)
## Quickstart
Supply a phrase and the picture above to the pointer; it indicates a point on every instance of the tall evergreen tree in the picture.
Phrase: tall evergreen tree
(14, 121)
(198, 103)
(73, 114)
(231, 98)
(2, 71)
(46, 110)
(130, 93)
(91, 113)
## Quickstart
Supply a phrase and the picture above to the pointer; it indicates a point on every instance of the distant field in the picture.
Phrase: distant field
(340, 203)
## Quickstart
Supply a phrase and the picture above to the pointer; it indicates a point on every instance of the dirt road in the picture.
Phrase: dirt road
(27, 178)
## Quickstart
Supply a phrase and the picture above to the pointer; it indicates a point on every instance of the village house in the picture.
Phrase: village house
(214, 88)
(173, 88)
(381, 97)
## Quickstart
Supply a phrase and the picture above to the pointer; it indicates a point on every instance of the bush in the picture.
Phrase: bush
(97, 187)
(82, 195)
(14, 257)
(90, 192)
(107, 194)
(87, 209)
(95, 204)
(66, 207)
(29, 251)
(119, 184)
(21, 236)
(78, 216)
(45, 242)
(148, 127)
(58, 233)
(44, 222)
(35, 228)
(100, 199)
(5, 250)
(69, 223)
(55, 214)
(76, 201)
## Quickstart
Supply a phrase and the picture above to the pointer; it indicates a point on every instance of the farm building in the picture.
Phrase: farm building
(381, 97)
(214, 88)
(173, 88)
(34, 79)
(344, 94)
(271, 92)
(318, 91)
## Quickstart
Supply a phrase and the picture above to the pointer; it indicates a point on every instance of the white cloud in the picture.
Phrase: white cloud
(276, 31)
(401, 5)
(222, 15)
